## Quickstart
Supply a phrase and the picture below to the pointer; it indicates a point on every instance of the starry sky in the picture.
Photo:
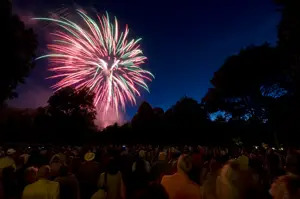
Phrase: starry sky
(185, 41)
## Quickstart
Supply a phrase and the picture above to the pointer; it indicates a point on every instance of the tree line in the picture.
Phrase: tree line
(255, 94)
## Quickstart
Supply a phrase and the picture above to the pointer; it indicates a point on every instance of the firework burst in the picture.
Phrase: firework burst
(98, 56)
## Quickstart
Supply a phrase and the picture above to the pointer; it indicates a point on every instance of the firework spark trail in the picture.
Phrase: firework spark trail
(99, 57)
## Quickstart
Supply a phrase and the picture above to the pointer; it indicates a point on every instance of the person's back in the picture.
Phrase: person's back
(160, 167)
(139, 179)
(43, 188)
(10, 183)
(178, 185)
(113, 184)
(88, 171)
(69, 186)
(88, 176)
(288, 186)
(111, 181)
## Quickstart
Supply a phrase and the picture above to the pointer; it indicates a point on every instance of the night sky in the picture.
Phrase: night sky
(185, 41)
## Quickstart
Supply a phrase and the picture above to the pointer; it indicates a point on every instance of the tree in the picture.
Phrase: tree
(185, 120)
(18, 48)
(285, 112)
(246, 82)
(70, 114)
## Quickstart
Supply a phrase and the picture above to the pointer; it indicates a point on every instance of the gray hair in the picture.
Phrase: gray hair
(185, 163)
(44, 172)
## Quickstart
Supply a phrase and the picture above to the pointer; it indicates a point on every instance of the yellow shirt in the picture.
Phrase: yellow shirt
(7, 162)
(42, 189)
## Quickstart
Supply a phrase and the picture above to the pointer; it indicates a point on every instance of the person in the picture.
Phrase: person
(30, 176)
(43, 188)
(111, 182)
(160, 167)
(173, 161)
(8, 160)
(195, 173)
(69, 185)
(11, 189)
(235, 179)
(55, 164)
(178, 185)
(209, 185)
(142, 156)
(274, 166)
(87, 175)
(139, 179)
(288, 186)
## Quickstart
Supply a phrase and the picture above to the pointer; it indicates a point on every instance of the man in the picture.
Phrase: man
(88, 175)
(69, 185)
(179, 186)
(160, 167)
(8, 160)
(43, 188)
(288, 186)
(142, 156)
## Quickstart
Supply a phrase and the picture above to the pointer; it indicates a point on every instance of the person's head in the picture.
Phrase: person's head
(44, 172)
(293, 163)
(184, 163)
(112, 167)
(63, 171)
(162, 156)
(11, 152)
(55, 159)
(142, 154)
(30, 175)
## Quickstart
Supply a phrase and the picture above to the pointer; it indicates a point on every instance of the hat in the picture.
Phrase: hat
(89, 156)
(10, 151)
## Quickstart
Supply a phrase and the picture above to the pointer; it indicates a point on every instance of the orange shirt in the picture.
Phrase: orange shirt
(179, 186)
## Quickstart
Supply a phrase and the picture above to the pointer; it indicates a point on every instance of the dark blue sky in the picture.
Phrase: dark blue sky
(185, 41)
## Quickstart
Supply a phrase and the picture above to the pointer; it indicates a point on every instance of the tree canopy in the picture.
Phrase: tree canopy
(19, 45)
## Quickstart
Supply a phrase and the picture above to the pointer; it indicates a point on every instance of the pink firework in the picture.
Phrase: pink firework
(100, 57)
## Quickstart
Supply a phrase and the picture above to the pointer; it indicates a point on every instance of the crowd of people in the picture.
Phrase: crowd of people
(148, 172)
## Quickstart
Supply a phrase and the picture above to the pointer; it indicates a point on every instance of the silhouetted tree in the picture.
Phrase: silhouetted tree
(246, 82)
(18, 47)
(70, 114)
(285, 111)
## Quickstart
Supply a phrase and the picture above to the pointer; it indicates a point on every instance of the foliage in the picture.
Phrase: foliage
(19, 45)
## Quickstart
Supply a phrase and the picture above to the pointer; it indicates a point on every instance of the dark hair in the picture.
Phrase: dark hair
(293, 162)
(112, 166)
(63, 170)
(140, 166)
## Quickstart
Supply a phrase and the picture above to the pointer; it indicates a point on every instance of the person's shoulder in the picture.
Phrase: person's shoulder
(30, 187)
(53, 183)
(167, 177)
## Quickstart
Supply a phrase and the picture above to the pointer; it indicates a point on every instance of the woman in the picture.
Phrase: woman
(110, 182)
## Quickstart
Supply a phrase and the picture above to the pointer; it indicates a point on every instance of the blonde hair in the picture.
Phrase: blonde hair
(184, 163)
